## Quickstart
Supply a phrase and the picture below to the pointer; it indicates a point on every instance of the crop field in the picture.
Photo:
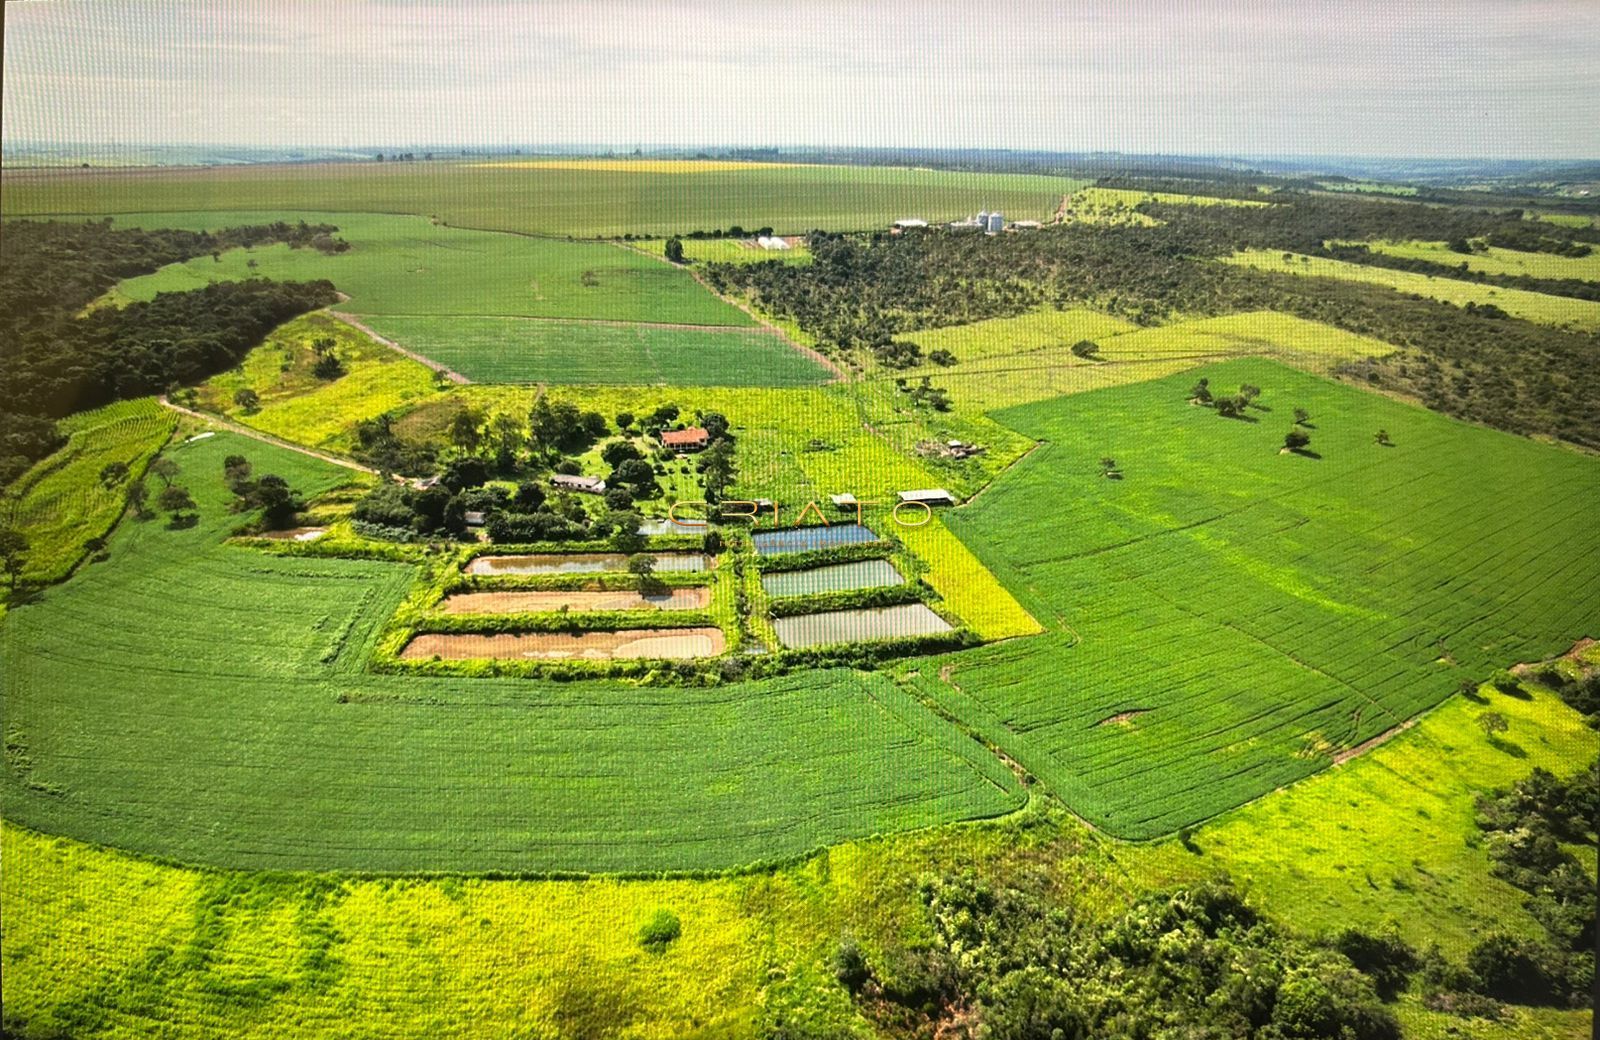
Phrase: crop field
(1318, 600)
(295, 404)
(730, 250)
(1495, 260)
(225, 684)
(553, 198)
(399, 265)
(1043, 329)
(522, 350)
(62, 502)
(1519, 303)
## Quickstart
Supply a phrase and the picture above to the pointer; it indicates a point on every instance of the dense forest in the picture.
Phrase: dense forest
(56, 359)
(861, 292)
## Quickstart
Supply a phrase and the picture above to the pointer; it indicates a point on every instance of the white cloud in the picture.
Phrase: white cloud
(1403, 77)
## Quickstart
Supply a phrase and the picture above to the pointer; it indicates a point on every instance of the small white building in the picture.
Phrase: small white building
(910, 222)
(571, 482)
(475, 518)
(845, 501)
(929, 497)
(772, 242)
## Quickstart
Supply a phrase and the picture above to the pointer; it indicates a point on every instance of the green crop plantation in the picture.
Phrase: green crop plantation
(575, 198)
(64, 501)
(1538, 307)
(1322, 600)
(523, 350)
(228, 684)
(1495, 260)
(412, 266)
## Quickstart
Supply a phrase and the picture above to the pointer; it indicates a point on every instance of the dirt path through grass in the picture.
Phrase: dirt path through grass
(265, 438)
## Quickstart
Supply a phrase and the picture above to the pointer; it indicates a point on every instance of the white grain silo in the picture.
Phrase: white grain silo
(997, 222)
(983, 220)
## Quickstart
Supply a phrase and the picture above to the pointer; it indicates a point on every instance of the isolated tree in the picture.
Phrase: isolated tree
(674, 249)
(247, 399)
(466, 429)
(164, 468)
(1493, 722)
(1382, 437)
(328, 367)
(277, 500)
(1301, 416)
(138, 495)
(1201, 392)
(624, 420)
(1085, 348)
(175, 499)
(715, 424)
(113, 473)
(1296, 439)
(643, 566)
(13, 554)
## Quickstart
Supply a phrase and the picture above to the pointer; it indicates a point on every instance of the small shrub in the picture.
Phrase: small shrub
(660, 931)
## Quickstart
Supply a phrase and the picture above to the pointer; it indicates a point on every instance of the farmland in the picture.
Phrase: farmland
(1545, 309)
(243, 698)
(1277, 573)
(522, 350)
(1099, 205)
(552, 198)
(1494, 260)
(65, 501)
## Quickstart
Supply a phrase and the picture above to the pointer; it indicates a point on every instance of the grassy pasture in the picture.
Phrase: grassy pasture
(522, 350)
(1011, 361)
(1226, 618)
(1497, 261)
(296, 405)
(1367, 187)
(399, 265)
(1096, 205)
(61, 502)
(1563, 219)
(1520, 303)
(1379, 840)
(551, 198)
(186, 682)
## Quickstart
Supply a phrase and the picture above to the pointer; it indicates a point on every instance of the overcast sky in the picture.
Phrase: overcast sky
(1505, 78)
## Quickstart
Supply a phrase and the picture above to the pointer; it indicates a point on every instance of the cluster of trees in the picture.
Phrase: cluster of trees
(269, 493)
(861, 293)
(1357, 253)
(1193, 962)
(55, 361)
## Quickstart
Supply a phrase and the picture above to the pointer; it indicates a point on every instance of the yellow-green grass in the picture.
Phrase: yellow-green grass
(296, 405)
(1120, 205)
(1042, 368)
(635, 165)
(1023, 334)
(1563, 219)
(966, 584)
(559, 199)
(61, 503)
(409, 266)
(1497, 261)
(1368, 187)
(1537, 307)
(1383, 839)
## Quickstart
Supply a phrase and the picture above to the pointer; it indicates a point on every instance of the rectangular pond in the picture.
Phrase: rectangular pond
(833, 577)
(536, 601)
(805, 539)
(851, 626)
(579, 563)
(675, 643)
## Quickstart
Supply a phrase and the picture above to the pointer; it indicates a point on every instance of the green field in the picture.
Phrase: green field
(1519, 303)
(1120, 205)
(1497, 261)
(187, 681)
(1227, 618)
(410, 266)
(523, 350)
(61, 502)
(1367, 187)
(573, 198)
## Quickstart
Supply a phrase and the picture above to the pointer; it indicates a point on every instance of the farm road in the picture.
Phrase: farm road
(264, 438)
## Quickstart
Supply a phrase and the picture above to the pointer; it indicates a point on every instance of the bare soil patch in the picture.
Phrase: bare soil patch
(1122, 718)
(674, 643)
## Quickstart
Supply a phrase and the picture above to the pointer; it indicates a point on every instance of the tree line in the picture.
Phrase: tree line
(55, 359)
